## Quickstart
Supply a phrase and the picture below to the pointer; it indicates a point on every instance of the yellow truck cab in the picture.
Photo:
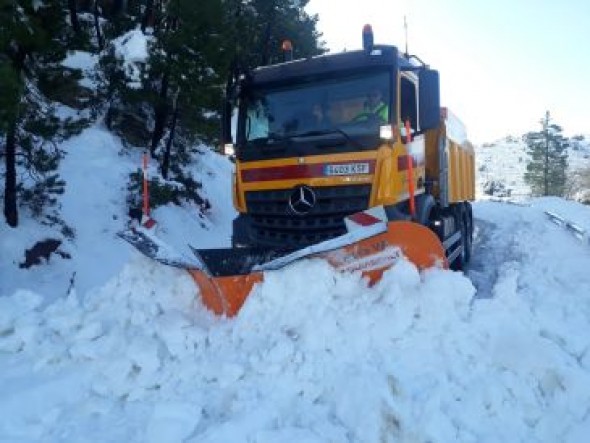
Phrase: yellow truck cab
(321, 138)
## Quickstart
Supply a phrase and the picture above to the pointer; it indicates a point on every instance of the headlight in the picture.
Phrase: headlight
(386, 132)
(228, 149)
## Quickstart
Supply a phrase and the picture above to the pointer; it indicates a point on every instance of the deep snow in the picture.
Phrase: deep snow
(129, 354)
(111, 347)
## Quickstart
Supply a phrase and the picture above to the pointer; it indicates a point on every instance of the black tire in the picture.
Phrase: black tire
(425, 205)
(468, 237)
(469, 215)
(463, 258)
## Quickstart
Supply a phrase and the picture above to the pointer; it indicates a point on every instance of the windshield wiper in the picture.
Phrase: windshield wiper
(319, 132)
(274, 138)
(270, 142)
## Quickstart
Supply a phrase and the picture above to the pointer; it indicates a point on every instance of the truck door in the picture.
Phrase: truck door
(409, 101)
(412, 136)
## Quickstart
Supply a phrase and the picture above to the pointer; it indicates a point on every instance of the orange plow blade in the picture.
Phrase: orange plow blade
(225, 294)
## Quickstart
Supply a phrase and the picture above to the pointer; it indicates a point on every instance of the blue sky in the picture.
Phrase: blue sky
(502, 63)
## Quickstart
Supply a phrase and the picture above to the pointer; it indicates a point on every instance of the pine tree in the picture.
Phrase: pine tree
(123, 105)
(191, 47)
(257, 29)
(195, 46)
(547, 165)
(186, 68)
(33, 37)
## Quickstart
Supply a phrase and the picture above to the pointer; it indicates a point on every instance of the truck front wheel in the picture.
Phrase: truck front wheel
(463, 223)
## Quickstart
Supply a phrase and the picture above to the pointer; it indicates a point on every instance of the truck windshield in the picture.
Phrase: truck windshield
(353, 106)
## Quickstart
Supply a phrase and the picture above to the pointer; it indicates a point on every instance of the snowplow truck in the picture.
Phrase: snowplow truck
(348, 157)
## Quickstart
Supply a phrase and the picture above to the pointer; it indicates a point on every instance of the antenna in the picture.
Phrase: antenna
(406, 32)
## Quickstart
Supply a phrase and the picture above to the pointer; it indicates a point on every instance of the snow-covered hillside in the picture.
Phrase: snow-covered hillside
(504, 161)
(129, 354)
(96, 170)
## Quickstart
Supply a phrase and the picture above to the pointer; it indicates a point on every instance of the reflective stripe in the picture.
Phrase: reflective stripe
(381, 111)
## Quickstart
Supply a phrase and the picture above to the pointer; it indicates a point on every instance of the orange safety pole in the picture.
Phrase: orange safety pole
(410, 170)
(147, 222)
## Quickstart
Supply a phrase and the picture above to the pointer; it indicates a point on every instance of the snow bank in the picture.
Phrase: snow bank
(572, 211)
(314, 356)
(86, 62)
(80, 60)
(132, 49)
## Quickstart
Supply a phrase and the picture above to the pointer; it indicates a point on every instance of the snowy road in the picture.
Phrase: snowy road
(496, 243)
(316, 356)
(483, 267)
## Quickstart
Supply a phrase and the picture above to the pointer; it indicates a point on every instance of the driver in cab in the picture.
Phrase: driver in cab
(374, 107)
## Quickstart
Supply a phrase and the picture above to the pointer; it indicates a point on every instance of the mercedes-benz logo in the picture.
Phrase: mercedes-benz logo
(302, 200)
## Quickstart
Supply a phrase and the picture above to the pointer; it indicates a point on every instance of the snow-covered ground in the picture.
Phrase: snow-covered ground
(129, 354)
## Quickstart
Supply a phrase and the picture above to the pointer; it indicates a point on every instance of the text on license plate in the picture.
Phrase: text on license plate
(346, 169)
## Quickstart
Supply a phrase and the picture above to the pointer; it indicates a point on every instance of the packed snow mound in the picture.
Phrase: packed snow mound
(314, 355)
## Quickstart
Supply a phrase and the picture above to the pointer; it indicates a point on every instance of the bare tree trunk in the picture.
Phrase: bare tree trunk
(546, 166)
(10, 206)
(167, 152)
(267, 38)
(147, 18)
(546, 162)
(160, 115)
(266, 44)
(117, 7)
(74, 16)
(10, 197)
(99, 38)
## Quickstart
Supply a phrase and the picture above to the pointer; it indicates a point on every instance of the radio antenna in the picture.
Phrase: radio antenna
(406, 32)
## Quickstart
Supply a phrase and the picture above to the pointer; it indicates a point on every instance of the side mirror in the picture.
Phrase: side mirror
(429, 99)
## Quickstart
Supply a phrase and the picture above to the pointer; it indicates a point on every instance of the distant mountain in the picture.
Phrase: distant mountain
(500, 165)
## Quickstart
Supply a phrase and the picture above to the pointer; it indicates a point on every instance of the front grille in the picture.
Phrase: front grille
(274, 224)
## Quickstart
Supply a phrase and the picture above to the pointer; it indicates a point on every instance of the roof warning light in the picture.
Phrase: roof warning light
(367, 38)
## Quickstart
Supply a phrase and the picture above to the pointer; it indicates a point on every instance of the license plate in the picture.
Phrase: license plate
(347, 169)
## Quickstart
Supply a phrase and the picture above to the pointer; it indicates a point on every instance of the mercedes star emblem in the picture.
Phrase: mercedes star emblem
(302, 200)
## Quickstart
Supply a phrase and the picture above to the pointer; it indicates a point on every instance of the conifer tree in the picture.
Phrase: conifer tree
(547, 165)
(33, 37)
(123, 104)
(186, 67)
(191, 47)
(257, 29)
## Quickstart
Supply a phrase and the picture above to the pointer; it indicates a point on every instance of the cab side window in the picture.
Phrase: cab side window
(257, 122)
(408, 103)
